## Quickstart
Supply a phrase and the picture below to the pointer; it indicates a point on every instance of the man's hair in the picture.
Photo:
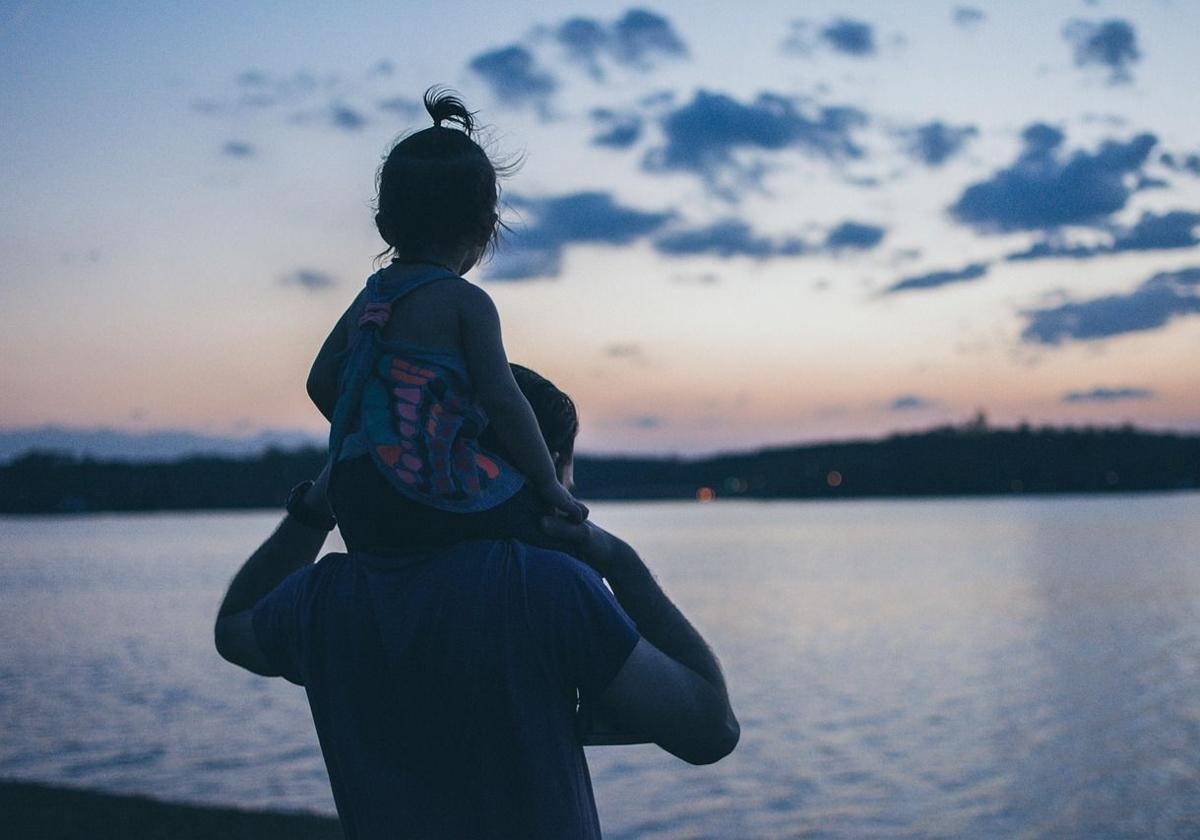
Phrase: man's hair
(556, 415)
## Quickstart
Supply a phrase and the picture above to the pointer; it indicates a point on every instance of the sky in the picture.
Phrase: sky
(731, 226)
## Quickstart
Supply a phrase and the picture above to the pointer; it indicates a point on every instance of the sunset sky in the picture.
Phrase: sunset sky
(734, 225)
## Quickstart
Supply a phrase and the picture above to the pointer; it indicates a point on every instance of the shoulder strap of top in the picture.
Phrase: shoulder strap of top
(384, 288)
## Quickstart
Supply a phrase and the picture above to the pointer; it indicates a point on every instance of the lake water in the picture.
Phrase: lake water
(1017, 667)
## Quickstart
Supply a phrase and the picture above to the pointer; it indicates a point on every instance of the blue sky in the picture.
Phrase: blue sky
(784, 223)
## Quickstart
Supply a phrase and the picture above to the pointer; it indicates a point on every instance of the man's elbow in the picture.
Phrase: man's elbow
(719, 741)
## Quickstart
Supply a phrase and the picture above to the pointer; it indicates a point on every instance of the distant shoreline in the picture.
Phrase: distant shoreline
(32, 810)
(970, 460)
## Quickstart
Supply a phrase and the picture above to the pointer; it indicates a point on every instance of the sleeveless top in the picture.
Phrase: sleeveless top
(414, 410)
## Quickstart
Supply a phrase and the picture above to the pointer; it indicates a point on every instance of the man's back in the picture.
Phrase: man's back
(443, 687)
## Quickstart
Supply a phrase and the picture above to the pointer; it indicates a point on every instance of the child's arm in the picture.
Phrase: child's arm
(507, 408)
(327, 367)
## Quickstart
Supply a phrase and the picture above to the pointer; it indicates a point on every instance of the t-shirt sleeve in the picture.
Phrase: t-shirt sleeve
(591, 636)
(277, 625)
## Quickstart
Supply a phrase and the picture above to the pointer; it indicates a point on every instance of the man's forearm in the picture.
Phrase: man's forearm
(658, 620)
(292, 546)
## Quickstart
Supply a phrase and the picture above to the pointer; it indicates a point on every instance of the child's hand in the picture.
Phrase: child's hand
(561, 499)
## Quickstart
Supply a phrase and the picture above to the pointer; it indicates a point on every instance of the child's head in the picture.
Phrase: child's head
(437, 189)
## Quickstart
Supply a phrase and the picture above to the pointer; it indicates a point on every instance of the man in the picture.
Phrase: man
(444, 684)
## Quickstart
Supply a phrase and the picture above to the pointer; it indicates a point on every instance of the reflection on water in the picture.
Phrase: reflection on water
(1006, 668)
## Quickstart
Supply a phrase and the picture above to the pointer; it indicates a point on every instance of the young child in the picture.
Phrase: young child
(416, 369)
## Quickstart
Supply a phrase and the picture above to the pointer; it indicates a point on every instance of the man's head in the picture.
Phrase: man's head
(557, 419)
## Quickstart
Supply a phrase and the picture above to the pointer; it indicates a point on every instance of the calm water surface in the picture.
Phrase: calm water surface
(966, 668)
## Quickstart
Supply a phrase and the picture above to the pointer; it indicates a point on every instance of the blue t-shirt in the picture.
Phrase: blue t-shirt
(444, 686)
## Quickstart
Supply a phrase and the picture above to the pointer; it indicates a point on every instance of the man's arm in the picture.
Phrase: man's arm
(671, 688)
(292, 546)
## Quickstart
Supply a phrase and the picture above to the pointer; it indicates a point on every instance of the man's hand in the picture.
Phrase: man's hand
(589, 542)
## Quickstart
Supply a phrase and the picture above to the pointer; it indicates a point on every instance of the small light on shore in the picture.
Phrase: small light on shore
(705, 494)
(834, 478)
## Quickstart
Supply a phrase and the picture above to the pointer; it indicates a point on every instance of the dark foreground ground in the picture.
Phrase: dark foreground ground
(38, 812)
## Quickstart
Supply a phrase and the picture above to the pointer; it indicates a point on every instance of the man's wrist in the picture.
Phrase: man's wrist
(300, 507)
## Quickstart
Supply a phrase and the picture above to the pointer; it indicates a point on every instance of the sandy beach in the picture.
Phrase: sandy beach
(33, 812)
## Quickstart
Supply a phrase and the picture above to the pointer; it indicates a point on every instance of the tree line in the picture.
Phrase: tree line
(946, 461)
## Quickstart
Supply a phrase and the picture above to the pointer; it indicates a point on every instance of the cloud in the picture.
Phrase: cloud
(728, 238)
(309, 280)
(640, 36)
(645, 421)
(854, 236)
(629, 351)
(1165, 296)
(935, 279)
(237, 149)
(704, 135)
(734, 238)
(909, 402)
(852, 37)
(1102, 394)
(968, 17)
(934, 143)
(636, 40)
(1152, 232)
(1043, 189)
(617, 130)
(1111, 44)
(513, 75)
(585, 217)
(1180, 163)
(346, 118)
(855, 38)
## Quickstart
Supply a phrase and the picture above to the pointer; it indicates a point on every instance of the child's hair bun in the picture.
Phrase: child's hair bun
(444, 106)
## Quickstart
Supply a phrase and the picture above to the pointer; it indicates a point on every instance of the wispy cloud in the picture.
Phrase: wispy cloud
(935, 142)
(617, 129)
(1163, 297)
(968, 17)
(1044, 189)
(237, 149)
(1152, 232)
(309, 279)
(1110, 44)
(1101, 394)
(848, 36)
(854, 236)
(909, 402)
(732, 237)
(936, 279)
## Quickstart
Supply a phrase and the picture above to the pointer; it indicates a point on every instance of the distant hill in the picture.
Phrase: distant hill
(965, 460)
(160, 445)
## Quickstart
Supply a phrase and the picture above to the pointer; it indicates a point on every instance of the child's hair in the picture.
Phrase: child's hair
(437, 188)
